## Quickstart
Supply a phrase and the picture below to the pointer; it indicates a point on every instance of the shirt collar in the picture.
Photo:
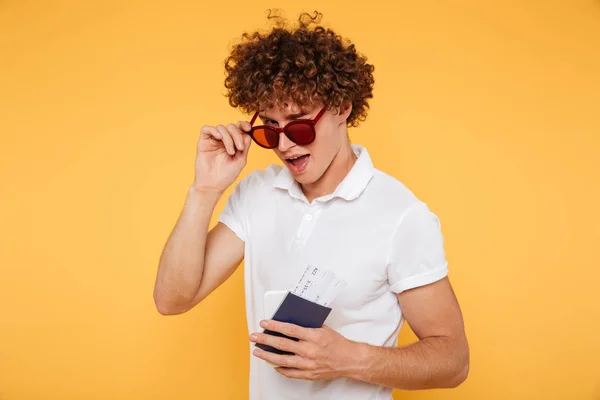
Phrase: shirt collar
(351, 186)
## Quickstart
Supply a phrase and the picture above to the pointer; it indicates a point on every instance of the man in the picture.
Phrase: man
(326, 206)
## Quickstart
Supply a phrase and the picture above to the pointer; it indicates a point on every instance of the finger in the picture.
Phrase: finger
(290, 330)
(226, 138)
(211, 132)
(283, 360)
(247, 140)
(236, 136)
(280, 343)
(244, 126)
(294, 373)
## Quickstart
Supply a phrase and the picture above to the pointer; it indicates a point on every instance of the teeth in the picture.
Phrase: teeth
(294, 158)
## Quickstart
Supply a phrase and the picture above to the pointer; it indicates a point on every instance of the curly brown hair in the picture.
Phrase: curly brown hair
(309, 65)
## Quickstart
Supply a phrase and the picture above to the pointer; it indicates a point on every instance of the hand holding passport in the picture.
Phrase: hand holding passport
(307, 305)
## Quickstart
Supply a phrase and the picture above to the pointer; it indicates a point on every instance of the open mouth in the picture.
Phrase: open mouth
(298, 163)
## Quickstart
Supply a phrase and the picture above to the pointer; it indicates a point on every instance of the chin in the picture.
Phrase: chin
(307, 178)
(303, 179)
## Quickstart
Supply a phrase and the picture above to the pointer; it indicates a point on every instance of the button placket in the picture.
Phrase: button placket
(306, 227)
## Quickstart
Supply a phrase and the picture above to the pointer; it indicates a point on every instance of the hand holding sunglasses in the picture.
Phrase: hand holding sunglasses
(216, 170)
(222, 153)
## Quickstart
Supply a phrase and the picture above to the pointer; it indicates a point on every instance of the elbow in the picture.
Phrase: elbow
(168, 307)
(460, 377)
(462, 372)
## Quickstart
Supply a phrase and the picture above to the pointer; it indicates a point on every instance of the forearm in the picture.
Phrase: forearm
(434, 362)
(182, 260)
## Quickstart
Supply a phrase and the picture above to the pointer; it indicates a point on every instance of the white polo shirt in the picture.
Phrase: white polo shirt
(372, 232)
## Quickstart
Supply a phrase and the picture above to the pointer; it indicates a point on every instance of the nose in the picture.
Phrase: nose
(284, 143)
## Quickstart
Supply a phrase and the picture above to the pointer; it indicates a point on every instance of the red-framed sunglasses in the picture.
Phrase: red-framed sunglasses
(300, 131)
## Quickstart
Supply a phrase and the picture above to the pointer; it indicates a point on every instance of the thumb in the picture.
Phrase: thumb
(245, 126)
(247, 141)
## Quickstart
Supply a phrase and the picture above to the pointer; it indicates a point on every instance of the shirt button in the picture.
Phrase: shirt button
(308, 217)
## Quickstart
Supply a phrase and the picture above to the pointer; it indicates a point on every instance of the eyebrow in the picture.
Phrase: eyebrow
(291, 116)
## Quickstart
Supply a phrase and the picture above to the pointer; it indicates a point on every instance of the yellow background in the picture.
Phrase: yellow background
(489, 111)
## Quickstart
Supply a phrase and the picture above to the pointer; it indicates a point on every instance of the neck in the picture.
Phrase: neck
(333, 175)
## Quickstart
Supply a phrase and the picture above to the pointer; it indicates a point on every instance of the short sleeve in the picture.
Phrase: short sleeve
(234, 214)
(417, 256)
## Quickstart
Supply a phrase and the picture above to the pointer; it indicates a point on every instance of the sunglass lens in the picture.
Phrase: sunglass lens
(266, 137)
(301, 133)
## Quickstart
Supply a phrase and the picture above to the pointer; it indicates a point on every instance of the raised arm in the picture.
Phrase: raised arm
(194, 261)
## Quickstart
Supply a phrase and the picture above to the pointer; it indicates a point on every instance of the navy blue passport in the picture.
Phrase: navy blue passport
(298, 311)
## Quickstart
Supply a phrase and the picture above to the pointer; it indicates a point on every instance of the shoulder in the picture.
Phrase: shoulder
(257, 182)
(255, 186)
(405, 207)
(390, 193)
(260, 178)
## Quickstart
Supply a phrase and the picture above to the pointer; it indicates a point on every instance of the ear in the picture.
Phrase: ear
(344, 112)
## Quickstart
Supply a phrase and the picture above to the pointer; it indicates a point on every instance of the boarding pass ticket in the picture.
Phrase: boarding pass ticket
(319, 285)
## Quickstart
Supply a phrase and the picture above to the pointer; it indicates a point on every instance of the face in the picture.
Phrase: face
(308, 163)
